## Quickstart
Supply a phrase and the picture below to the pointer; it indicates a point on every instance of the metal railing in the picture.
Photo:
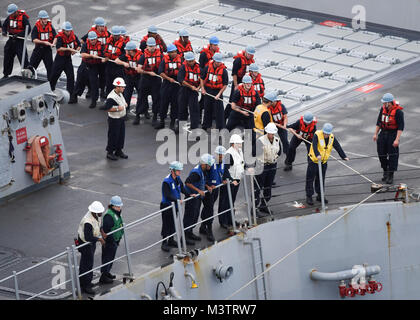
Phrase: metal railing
(72, 261)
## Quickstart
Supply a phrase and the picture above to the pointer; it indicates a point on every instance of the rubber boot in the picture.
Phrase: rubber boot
(385, 177)
(390, 178)
(160, 125)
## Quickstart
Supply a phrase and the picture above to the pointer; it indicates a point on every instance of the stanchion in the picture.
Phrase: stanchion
(321, 185)
(127, 252)
(247, 201)
(232, 209)
(181, 223)
(73, 288)
(254, 211)
(16, 286)
(24, 48)
(178, 234)
(76, 272)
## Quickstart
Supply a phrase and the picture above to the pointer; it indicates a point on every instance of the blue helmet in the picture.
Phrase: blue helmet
(308, 117)
(67, 26)
(116, 201)
(43, 14)
(189, 56)
(99, 21)
(183, 33)
(123, 30)
(151, 41)
(214, 40)
(207, 159)
(176, 165)
(152, 29)
(271, 96)
(131, 45)
(11, 8)
(218, 57)
(387, 98)
(171, 47)
(220, 150)
(327, 128)
(92, 35)
(115, 30)
(254, 67)
(250, 50)
(246, 79)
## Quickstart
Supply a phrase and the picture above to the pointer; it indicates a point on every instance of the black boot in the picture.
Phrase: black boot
(390, 178)
(154, 120)
(105, 280)
(111, 156)
(165, 247)
(203, 229)
(176, 128)
(136, 121)
(318, 198)
(172, 124)
(73, 98)
(172, 243)
(210, 236)
(92, 105)
(160, 125)
(287, 167)
(103, 94)
(309, 201)
(385, 176)
(88, 94)
(147, 115)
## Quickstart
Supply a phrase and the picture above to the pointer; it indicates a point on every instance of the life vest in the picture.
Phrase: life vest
(175, 187)
(248, 99)
(126, 39)
(258, 84)
(388, 121)
(113, 49)
(270, 150)
(307, 130)
(172, 66)
(192, 75)
(16, 24)
(44, 34)
(152, 60)
(277, 112)
(38, 157)
(214, 77)
(237, 169)
(120, 101)
(132, 61)
(159, 43)
(94, 50)
(199, 184)
(68, 42)
(209, 53)
(118, 223)
(258, 112)
(181, 48)
(89, 218)
(244, 63)
(102, 36)
(216, 173)
(323, 150)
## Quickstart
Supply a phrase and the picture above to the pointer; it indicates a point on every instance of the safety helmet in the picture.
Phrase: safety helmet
(207, 159)
(151, 42)
(250, 50)
(214, 40)
(92, 35)
(131, 45)
(253, 67)
(387, 97)
(171, 47)
(271, 128)
(220, 150)
(235, 138)
(11, 8)
(327, 128)
(96, 207)
(43, 14)
(99, 21)
(183, 33)
(218, 57)
(115, 30)
(152, 29)
(123, 30)
(116, 201)
(270, 96)
(308, 117)
(176, 165)
(67, 26)
(119, 82)
(189, 56)
(246, 79)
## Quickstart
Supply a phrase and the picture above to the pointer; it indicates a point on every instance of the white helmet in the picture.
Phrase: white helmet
(235, 138)
(96, 207)
(271, 128)
(119, 82)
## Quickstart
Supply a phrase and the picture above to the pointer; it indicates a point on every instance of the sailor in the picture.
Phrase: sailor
(240, 68)
(130, 62)
(168, 70)
(279, 113)
(235, 165)
(111, 221)
(195, 185)
(123, 33)
(14, 26)
(152, 32)
(93, 57)
(43, 35)
(172, 187)
(116, 106)
(214, 81)
(268, 148)
(89, 231)
(324, 141)
(262, 114)
(257, 80)
(304, 128)
(150, 81)
(189, 78)
(114, 47)
(67, 45)
(206, 54)
(390, 123)
(216, 176)
(183, 44)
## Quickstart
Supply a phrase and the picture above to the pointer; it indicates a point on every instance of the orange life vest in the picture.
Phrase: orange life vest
(68, 42)
(113, 49)
(307, 130)
(126, 39)
(159, 43)
(44, 34)
(16, 23)
(102, 36)
(38, 158)
(192, 75)
(388, 121)
(277, 112)
(152, 60)
(132, 61)
(209, 53)
(95, 50)
(258, 84)
(244, 63)
(181, 48)
(214, 77)
(248, 99)
(172, 66)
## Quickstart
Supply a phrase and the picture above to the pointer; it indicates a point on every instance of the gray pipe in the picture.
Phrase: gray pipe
(342, 275)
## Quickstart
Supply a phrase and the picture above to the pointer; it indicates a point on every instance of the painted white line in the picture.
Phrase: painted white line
(45, 5)
(72, 123)
(399, 162)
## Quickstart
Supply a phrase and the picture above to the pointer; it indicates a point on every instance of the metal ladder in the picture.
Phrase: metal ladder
(258, 264)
